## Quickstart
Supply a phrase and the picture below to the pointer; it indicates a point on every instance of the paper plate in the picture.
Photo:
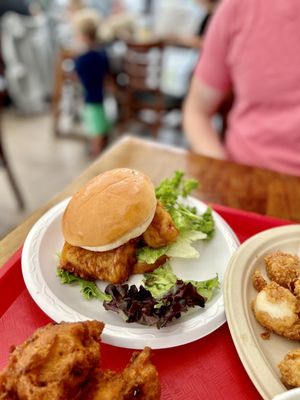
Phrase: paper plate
(259, 357)
(65, 303)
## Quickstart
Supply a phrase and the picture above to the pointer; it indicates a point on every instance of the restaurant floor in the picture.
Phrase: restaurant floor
(44, 165)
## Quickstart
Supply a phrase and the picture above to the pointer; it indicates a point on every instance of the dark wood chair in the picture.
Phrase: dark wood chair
(140, 89)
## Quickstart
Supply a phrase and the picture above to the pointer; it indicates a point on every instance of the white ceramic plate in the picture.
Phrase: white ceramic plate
(65, 303)
(259, 357)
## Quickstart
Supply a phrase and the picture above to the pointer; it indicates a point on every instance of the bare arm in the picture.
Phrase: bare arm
(201, 104)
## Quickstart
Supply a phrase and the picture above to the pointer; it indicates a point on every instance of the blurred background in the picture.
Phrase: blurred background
(47, 47)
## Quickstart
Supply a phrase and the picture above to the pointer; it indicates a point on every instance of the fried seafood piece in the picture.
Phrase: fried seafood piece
(282, 268)
(113, 266)
(290, 368)
(276, 309)
(258, 281)
(53, 363)
(294, 287)
(162, 230)
(138, 381)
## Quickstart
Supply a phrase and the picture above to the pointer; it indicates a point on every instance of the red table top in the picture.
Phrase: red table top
(207, 368)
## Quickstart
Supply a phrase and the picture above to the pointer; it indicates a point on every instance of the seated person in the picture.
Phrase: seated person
(245, 52)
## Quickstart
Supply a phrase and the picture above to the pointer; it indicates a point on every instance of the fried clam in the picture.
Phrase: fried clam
(276, 309)
(282, 268)
(290, 368)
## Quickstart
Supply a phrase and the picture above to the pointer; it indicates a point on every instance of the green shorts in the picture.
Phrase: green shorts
(95, 120)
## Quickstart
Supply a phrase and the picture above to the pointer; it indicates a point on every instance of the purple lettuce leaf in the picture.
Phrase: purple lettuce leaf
(138, 305)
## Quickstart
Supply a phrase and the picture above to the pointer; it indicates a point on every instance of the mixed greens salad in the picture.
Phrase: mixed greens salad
(163, 296)
(191, 226)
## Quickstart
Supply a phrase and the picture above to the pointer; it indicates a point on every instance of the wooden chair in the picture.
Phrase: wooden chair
(63, 75)
(142, 67)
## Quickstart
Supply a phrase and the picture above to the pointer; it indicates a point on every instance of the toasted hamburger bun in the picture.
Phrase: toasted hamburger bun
(113, 208)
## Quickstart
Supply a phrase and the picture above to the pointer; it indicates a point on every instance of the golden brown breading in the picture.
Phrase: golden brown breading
(53, 363)
(138, 381)
(294, 287)
(258, 281)
(113, 266)
(162, 230)
(105, 385)
(282, 268)
(61, 362)
(290, 369)
(276, 309)
(141, 377)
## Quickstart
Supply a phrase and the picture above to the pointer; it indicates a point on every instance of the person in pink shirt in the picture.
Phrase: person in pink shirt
(252, 48)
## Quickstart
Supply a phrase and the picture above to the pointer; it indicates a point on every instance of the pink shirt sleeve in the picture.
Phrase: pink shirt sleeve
(213, 68)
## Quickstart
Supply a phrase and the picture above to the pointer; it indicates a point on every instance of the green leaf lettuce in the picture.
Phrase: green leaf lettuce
(88, 289)
(163, 279)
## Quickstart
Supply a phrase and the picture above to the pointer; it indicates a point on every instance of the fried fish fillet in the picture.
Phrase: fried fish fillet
(53, 363)
(138, 381)
(162, 230)
(113, 266)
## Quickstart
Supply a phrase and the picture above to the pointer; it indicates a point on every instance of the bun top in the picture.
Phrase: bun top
(114, 207)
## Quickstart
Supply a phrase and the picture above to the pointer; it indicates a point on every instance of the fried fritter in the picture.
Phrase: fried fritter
(290, 369)
(162, 230)
(53, 363)
(113, 266)
(276, 309)
(138, 381)
(62, 362)
(141, 377)
(282, 268)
